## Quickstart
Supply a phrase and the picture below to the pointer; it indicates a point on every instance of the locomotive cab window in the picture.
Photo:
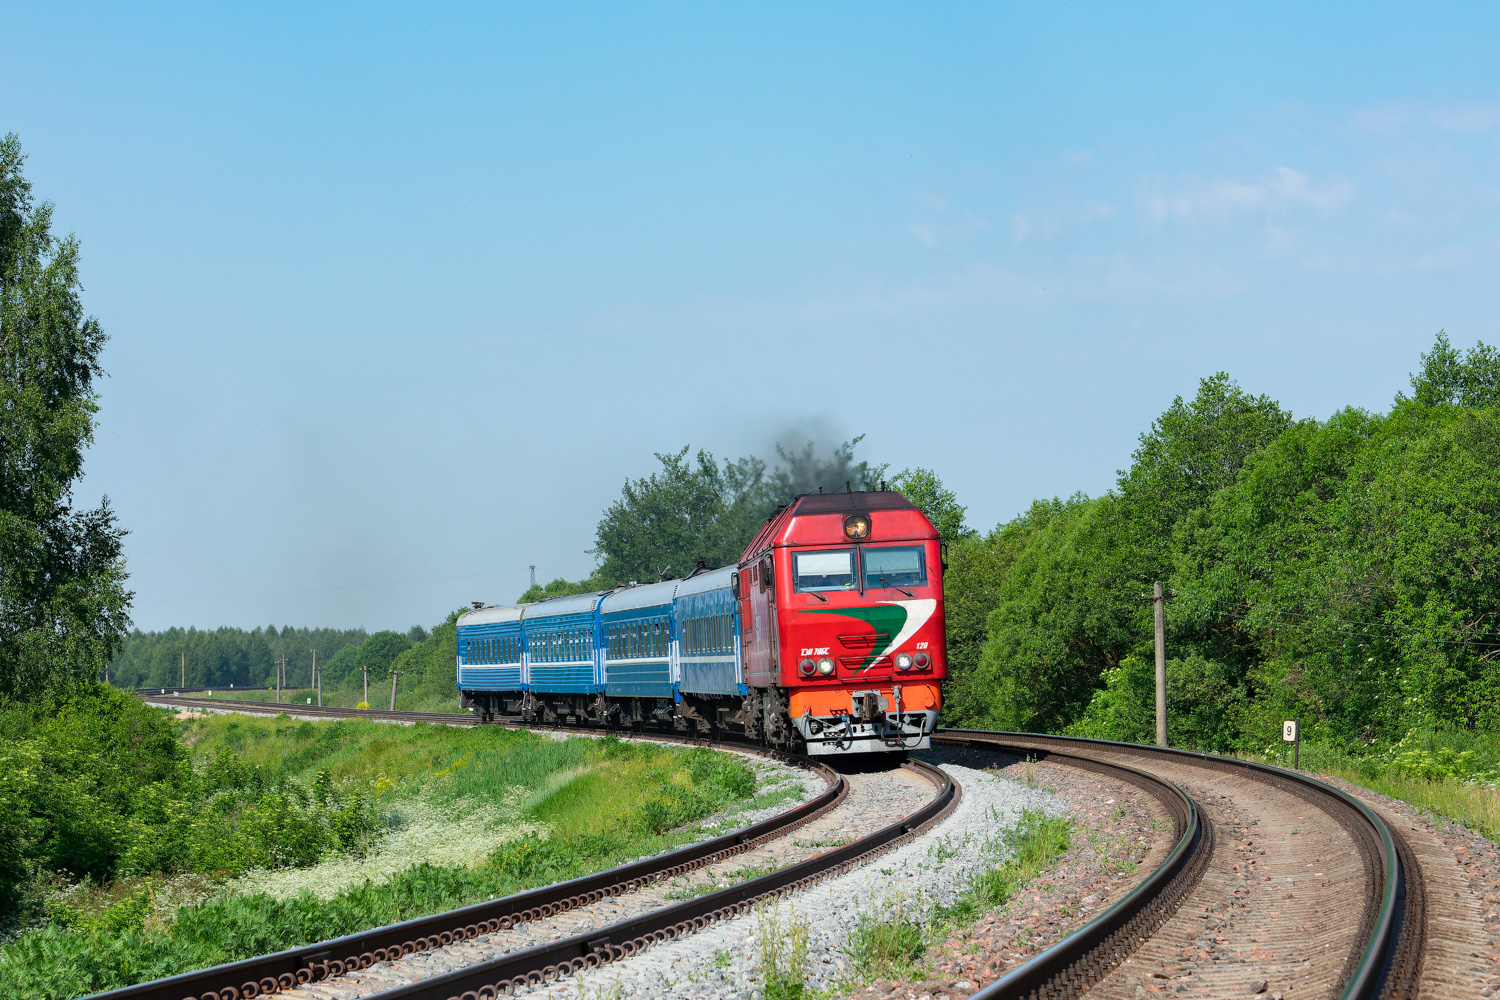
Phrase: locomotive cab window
(823, 570)
(896, 566)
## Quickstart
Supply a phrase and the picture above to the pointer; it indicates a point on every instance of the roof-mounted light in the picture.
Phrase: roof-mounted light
(856, 527)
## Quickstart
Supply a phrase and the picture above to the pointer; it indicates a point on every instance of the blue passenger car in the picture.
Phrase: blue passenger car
(491, 649)
(662, 652)
(637, 628)
(708, 650)
(562, 640)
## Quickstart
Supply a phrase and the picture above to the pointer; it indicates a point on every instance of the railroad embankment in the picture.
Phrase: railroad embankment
(152, 844)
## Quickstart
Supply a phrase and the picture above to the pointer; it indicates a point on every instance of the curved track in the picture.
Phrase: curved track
(311, 963)
(1379, 941)
(1354, 929)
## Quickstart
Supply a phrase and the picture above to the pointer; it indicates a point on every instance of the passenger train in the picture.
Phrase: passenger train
(826, 638)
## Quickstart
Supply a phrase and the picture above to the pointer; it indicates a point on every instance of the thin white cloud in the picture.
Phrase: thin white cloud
(1473, 118)
(1191, 197)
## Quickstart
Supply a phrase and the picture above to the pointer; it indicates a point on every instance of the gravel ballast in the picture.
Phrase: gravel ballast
(934, 869)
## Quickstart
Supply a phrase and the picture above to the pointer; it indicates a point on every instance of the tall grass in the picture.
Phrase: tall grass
(781, 951)
(1449, 772)
(892, 939)
(579, 805)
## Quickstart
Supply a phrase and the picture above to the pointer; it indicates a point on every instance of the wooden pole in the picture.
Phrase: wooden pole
(394, 675)
(366, 669)
(182, 678)
(317, 679)
(1159, 602)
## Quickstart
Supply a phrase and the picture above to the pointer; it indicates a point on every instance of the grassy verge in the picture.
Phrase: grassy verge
(350, 694)
(1474, 803)
(893, 942)
(500, 810)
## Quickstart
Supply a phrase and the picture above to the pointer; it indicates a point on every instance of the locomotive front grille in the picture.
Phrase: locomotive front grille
(857, 641)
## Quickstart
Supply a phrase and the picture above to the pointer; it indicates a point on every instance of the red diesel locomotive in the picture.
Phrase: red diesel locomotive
(841, 625)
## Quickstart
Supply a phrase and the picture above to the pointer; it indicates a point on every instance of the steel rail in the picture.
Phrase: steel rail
(1086, 956)
(569, 956)
(273, 708)
(1389, 942)
(311, 962)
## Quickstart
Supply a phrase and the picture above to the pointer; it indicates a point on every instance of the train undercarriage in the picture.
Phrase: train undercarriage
(872, 723)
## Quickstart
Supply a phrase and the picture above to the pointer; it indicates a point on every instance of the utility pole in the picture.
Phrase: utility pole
(394, 675)
(277, 664)
(182, 678)
(533, 576)
(1159, 600)
(317, 679)
(366, 669)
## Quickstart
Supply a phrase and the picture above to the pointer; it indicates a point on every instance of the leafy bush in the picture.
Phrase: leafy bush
(1205, 702)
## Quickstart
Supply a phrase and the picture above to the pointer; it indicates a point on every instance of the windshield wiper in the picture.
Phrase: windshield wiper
(819, 596)
(892, 586)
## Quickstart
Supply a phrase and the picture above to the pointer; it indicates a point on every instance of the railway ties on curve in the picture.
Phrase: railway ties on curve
(1302, 890)
(1353, 926)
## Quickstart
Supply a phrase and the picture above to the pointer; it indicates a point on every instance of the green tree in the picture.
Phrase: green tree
(557, 588)
(376, 653)
(923, 488)
(64, 609)
(1470, 378)
(700, 509)
(1191, 451)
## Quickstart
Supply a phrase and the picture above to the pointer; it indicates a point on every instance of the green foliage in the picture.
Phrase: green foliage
(557, 588)
(101, 788)
(781, 952)
(225, 656)
(377, 654)
(64, 608)
(1058, 623)
(1205, 701)
(1342, 572)
(700, 509)
(1469, 379)
(923, 488)
(887, 945)
(73, 781)
(1027, 850)
(589, 791)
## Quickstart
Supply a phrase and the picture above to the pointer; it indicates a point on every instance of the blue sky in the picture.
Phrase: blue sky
(399, 295)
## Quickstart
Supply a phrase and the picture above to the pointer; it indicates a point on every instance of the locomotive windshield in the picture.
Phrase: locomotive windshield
(823, 570)
(904, 566)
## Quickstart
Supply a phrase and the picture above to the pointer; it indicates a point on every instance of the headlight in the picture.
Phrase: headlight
(856, 526)
(825, 666)
(806, 668)
(922, 660)
(903, 661)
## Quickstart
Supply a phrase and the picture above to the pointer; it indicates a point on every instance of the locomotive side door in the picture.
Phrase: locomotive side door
(758, 628)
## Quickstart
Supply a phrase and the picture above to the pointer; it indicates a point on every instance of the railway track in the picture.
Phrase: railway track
(1353, 928)
(312, 963)
(1379, 941)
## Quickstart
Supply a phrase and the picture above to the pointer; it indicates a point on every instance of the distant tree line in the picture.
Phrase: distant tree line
(224, 656)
